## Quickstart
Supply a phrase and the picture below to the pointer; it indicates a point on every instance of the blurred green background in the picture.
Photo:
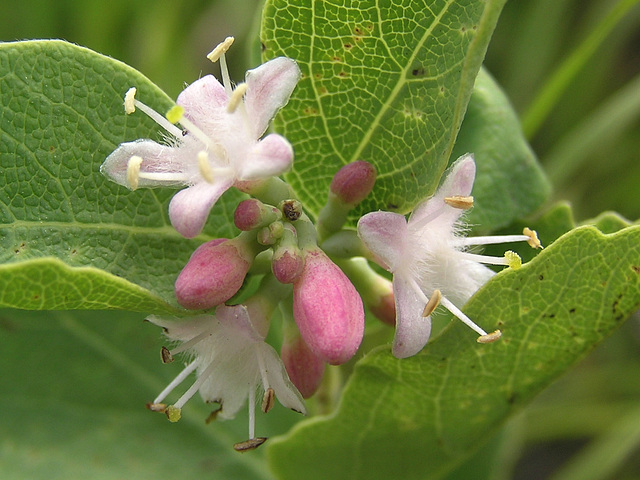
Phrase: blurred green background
(587, 426)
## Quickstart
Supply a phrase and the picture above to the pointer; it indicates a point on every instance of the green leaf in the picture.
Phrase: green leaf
(509, 182)
(74, 407)
(420, 417)
(61, 116)
(386, 82)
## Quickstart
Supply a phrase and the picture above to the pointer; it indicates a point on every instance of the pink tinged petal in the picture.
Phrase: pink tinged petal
(236, 319)
(156, 159)
(189, 208)
(327, 309)
(269, 88)
(203, 98)
(412, 329)
(385, 235)
(458, 181)
(271, 156)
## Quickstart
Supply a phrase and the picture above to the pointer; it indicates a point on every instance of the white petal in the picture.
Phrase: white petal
(458, 181)
(384, 233)
(236, 318)
(203, 98)
(271, 156)
(286, 393)
(269, 88)
(412, 329)
(156, 159)
(189, 208)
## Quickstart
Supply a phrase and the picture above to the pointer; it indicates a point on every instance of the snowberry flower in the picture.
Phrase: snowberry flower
(231, 361)
(219, 143)
(429, 258)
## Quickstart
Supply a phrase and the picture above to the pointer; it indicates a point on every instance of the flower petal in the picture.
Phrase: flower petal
(189, 208)
(384, 233)
(271, 156)
(286, 393)
(458, 181)
(412, 329)
(156, 159)
(269, 88)
(203, 98)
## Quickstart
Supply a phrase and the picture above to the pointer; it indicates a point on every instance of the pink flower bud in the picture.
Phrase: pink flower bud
(385, 309)
(287, 265)
(304, 368)
(353, 182)
(327, 309)
(214, 273)
(252, 213)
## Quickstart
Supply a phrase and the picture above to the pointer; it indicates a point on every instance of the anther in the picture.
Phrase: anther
(533, 238)
(513, 259)
(175, 113)
(433, 302)
(130, 101)
(173, 413)
(268, 400)
(489, 337)
(291, 209)
(156, 407)
(221, 49)
(204, 166)
(213, 416)
(133, 171)
(166, 355)
(236, 97)
(250, 444)
(460, 202)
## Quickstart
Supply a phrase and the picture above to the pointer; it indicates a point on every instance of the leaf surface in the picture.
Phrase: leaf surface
(420, 417)
(61, 116)
(386, 82)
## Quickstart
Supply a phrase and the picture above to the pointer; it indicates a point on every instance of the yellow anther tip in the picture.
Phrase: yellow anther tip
(513, 259)
(490, 337)
(220, 49)
(236, 97)
(459, 201)
(133, 171)
(173, 413)
(433, 302)
(130, 100)
(533, 241)
(175, 114)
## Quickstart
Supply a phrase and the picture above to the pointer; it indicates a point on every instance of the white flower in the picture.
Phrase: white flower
(219, 144)
(231, 361)
(428, 258)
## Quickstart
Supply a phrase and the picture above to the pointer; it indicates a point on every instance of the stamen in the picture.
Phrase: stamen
(250, 444)
(133, 171)
(252, 412)
(159, 119)
(487, 259)
(490, 240)
(204, 376)
(513, 259)
(157, 407)
(213, 416)
(176, 381)
(489, 338)
(236, 97)
(458, 313)
(429, 218)
(166, 355)
(173, 413)
(532, 236)
(130, 101)
(205, 167)
(167, 177)
(433, 302)
(175, 114)
(268, 400)
(459, 201)
(221, 49)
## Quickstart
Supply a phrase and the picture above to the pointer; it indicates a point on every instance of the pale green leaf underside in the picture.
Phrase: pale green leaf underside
(386, 82)
(509, 181)
(61, 114)
(73, 400)
(419, 417)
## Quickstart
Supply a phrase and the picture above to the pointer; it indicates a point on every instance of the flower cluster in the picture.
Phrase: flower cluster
(307, 268)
